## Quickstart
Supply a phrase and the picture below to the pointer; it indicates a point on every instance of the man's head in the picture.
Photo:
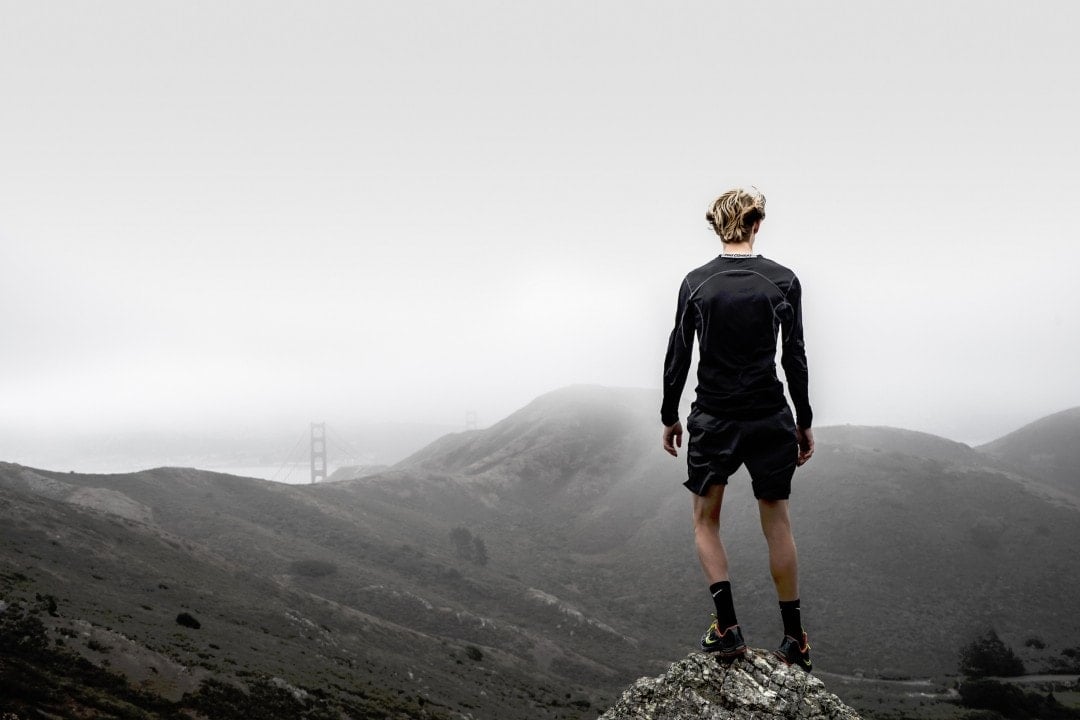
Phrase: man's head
(735, 215)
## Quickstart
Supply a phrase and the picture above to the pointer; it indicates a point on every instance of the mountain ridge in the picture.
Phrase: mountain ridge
(587, 579)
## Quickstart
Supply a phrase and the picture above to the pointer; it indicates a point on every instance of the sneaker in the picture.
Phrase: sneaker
(728, 644)
(794, 652)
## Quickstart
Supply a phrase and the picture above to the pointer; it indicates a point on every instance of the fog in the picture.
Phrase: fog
(239, 219)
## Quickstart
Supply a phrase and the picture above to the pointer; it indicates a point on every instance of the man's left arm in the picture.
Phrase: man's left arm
(793, 359)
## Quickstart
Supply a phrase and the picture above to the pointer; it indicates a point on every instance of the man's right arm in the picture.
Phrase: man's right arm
(677, 361)
(805, 438)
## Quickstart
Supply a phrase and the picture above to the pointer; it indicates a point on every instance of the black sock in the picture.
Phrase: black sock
(789, 611)
(725, 607)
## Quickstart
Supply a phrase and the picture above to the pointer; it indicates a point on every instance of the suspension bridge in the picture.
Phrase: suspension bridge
(311, 457)
(323, 441)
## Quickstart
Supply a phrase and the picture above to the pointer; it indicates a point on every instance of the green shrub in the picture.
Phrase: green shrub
(48, 602)
(187, 620)
(21, 632)
(988, 655)
(98, 646)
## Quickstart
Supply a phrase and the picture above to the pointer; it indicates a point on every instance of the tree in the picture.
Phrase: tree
(468, 546)
(463, 542)
(988, 655)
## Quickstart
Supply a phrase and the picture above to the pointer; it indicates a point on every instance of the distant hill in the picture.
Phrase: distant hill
(894, 526)
(1047, 448)
(895, 440)
(534, 568)
(583, 460)
(353, 472)
(367, 443)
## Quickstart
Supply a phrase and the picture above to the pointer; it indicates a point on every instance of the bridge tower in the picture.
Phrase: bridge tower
(318, 452)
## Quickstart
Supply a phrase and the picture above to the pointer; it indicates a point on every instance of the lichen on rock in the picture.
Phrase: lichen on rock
(757, 686)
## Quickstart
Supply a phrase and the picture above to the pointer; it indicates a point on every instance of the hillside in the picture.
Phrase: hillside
(350, 600)
(534, 568)
(583, 460)
(1046, 449)
(894, 527)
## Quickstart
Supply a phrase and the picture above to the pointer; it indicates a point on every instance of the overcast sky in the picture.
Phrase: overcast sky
(216, 214)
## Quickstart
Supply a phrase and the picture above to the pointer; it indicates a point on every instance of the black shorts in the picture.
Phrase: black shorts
(717, 447)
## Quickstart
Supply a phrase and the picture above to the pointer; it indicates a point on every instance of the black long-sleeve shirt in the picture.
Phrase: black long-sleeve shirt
(737, 306)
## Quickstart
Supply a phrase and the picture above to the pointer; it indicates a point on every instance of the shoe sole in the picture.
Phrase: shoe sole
(737, 652)
(799, 665)
(729, 658)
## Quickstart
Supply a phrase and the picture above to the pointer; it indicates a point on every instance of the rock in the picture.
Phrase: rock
(757, 686)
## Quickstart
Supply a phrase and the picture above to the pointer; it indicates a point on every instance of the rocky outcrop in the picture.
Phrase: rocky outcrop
(757, 686)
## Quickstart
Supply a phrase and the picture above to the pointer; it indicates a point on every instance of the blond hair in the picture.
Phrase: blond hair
(733, 214)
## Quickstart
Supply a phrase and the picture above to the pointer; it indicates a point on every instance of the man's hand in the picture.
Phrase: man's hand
(806, 444)
(673, 438)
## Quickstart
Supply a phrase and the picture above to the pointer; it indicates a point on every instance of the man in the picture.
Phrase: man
(737, 305)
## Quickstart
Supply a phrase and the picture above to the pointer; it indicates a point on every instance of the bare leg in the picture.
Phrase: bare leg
(783, 557)
(710, 548)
